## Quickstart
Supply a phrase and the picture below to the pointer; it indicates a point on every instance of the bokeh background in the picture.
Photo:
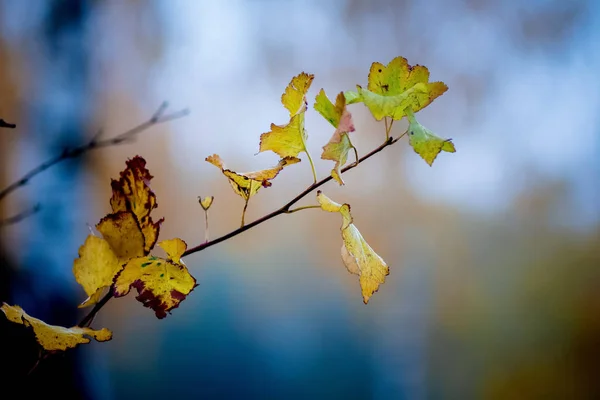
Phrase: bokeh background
(493, 252)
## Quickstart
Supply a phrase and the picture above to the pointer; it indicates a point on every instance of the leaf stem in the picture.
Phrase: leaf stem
(286, 207)
(206, 226)
(312, 165)
(245, 207)
(301, 208)
(388, 127)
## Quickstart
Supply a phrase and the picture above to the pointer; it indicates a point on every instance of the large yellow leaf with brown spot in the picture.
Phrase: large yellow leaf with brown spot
(246, 184)
(393, 88)
(161, 283)
(360, 259)
(132, 193)
(52, 337)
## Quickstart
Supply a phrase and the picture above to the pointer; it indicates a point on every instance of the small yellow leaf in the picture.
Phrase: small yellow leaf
(174, 249)
(424, 142)
(122, 231)
(161, 284)
(358, 257)
(393, 88)
(246, 184)
(339, 145)
(206, 202)
(132, 193)
(52, 337)
(294, 96)
(95, 268)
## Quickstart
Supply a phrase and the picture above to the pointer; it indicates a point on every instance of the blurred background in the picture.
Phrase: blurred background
(493, 252)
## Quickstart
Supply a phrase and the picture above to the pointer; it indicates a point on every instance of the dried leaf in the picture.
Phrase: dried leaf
(246, 184)
(132, 193)
(52, 337)
(122, 231)
(360, 259)
(161, 283)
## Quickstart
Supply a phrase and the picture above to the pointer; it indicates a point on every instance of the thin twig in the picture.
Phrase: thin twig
(286, 207)
(20, 216)
(4, 124)
(157, 118)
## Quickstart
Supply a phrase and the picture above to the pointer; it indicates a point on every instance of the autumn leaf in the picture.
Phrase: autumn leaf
(95, 268)
(122, 231)
(161, 283)
(294, 97)
(339, 145)
(424, 142)
(393, 88)
(206, 202)
(289, 140)
(132, 193)
(246, 184)
(52, 337)
(360, 259)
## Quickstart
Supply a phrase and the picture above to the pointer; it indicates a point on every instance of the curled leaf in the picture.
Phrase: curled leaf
(426, 143)
(206, 202)
(95, 268)
(358, 257)
(393, 88)
(246, 184)
(339, 145)
(161, 283)
(132, 193)
(52, 337)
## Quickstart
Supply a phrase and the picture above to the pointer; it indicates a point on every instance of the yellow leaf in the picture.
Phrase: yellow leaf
(426, 143)
(286, 140)
(294, 96)
(132, 193)
(393, 88)
(206, 202)
(161, 284)
(122, 231)
(358, 257)
(246, 184)
(95, 268)
(339, 145)
(52, 337)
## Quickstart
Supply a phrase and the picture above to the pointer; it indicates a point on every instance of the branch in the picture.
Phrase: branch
(157, 118)
(286, 208)
(20, 216)
(4, 124)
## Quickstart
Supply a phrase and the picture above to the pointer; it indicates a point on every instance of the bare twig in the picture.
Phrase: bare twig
(157, 118)
(4, 124)
(20, 216)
